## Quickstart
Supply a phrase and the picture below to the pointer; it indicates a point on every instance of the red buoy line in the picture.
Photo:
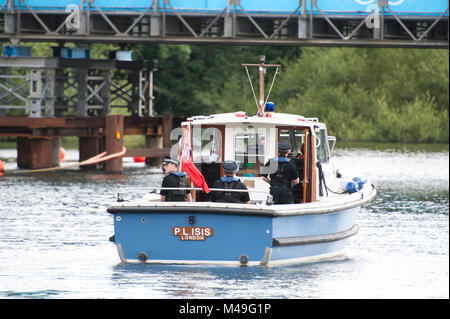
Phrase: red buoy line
(93, 160)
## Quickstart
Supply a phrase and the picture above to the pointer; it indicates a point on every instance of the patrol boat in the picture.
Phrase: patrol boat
(315, 227)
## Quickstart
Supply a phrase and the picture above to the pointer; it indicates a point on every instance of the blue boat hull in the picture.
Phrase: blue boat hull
(166, 235)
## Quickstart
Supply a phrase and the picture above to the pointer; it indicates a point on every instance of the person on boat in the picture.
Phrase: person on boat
(297, 189)
(175, 179)
(229, 181)
(284, 175)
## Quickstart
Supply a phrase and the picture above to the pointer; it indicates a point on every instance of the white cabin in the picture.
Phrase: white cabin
(252, 140)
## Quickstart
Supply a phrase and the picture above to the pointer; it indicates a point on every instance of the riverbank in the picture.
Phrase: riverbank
(399, 147)
(72, 143)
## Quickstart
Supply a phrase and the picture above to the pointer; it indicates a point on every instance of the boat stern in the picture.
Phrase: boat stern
(190, 236)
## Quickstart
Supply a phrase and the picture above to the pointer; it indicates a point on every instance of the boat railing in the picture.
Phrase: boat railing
(153, 190)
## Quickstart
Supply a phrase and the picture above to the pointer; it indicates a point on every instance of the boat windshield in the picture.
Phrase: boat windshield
(323, 154)
(207, 144)
(249, 152)
(297, 137)
(294, 137)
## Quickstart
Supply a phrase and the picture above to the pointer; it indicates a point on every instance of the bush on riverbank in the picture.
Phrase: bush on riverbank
(385, 95)
(380, 95)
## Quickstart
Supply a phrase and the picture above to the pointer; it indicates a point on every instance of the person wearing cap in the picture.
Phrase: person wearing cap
(174, 179)
(281, 174)
(229, 181)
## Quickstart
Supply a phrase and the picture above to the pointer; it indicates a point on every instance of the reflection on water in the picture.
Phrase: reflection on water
(54, 232)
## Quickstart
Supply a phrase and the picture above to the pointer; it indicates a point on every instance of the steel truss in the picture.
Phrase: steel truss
(47, 87)
(233, 25)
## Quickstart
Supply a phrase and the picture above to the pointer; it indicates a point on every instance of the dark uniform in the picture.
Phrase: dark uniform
(229, 182)
(174, 179)
(297, 190)
(230, 197)
(281, 179)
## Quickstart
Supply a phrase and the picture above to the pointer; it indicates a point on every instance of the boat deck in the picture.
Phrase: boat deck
(333, 202)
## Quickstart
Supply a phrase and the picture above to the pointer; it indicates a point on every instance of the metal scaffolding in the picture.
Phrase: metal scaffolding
(47, 87)
(303, 22)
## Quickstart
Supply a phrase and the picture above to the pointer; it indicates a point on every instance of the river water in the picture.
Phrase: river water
(54, 232)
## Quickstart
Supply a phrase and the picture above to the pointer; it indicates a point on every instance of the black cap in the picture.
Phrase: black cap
(284, 146)
(169, 160)
(230, 166)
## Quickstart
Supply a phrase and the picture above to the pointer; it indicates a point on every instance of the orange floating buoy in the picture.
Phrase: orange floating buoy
(2, 166)
(62, 154)
(139, 159)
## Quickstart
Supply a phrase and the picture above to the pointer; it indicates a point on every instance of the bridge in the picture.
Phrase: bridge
(368, 23)
(70, 94)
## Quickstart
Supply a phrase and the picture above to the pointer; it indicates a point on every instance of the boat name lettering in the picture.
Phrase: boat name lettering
(192, 233)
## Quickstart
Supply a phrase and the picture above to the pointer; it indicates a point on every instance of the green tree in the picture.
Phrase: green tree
(392, 95)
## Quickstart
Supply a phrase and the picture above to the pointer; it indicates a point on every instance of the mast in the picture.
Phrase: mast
(262, 71)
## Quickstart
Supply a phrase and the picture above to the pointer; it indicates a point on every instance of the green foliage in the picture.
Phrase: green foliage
(385, 95)
(193, 80)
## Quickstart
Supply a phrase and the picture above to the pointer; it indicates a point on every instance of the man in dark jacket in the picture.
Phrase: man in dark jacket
(175, 179)
(281, 175)
(299, 161)
(229, 181)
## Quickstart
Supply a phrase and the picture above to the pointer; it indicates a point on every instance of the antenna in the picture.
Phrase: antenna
(262, 70)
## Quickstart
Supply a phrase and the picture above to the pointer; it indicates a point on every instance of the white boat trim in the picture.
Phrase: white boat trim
(266, 262)
(315, 239)
(121, 254)
(310, 259)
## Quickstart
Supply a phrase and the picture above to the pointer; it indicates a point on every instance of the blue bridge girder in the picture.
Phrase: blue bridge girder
(368, 23)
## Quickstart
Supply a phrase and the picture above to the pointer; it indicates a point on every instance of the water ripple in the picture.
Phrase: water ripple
(54, 232)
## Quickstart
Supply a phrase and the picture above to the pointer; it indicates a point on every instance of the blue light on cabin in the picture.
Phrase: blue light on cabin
(270, 107)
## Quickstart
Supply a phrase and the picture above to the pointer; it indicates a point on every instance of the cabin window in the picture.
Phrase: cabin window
(297, 138)
(249, 150)
(294, 137)
(300, 138)
(207, 145)
(322, 145)
(207, 150)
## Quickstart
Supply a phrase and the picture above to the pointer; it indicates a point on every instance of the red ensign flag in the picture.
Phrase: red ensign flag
(187, 163)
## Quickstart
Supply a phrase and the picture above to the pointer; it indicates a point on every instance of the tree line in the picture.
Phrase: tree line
(363, 94)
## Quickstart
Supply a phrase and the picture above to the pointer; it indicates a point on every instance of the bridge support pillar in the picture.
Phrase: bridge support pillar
(10, 23)
(303, 28)
(228, 26)
(114, 130)
(152, 141)
(36, 153)
(89, 147)
(82, 94)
